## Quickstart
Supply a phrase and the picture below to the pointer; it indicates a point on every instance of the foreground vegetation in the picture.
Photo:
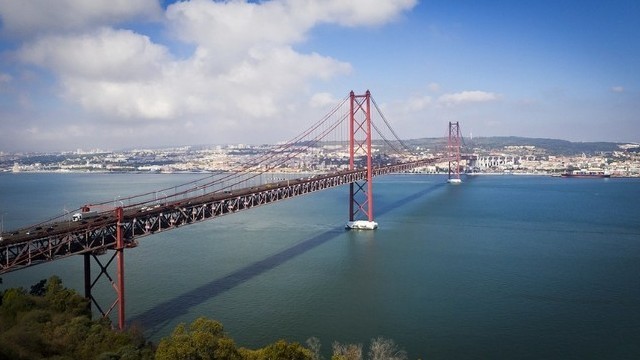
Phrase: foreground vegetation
(52, 322)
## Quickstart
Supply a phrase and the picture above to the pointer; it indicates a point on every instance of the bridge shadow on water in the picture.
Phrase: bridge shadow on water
(153, 319)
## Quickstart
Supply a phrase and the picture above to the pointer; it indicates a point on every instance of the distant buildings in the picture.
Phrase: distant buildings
(520, 159)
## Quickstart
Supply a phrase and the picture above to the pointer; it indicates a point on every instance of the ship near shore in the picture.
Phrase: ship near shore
(586, 174)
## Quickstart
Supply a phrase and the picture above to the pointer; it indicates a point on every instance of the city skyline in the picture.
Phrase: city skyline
(113, 75)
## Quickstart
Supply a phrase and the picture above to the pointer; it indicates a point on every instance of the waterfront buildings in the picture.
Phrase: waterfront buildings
(523, 159)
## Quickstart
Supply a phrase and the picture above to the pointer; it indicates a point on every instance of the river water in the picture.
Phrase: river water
(497, 267)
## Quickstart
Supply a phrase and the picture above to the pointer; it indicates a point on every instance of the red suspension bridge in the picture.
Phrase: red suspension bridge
(116, 225)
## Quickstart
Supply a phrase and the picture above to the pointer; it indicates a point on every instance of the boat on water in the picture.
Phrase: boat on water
(361, 225)
(586, 174)
(454, 181)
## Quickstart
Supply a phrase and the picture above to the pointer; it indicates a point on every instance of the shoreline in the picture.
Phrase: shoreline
(205, 172)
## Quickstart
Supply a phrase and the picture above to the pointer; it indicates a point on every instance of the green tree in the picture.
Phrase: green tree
(39, 289)
(56, 323)
(284, 350)
(204, 339)
(14, 302)
(62, 299)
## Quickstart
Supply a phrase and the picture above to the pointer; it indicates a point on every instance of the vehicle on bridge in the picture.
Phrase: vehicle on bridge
(85, 213)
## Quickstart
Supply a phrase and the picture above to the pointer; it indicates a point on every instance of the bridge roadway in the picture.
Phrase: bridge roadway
(47, 242)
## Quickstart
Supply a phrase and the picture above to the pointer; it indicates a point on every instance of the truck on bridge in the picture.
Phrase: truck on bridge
(85, 213)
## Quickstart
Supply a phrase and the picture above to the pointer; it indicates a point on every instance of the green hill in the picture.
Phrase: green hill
(497, 143)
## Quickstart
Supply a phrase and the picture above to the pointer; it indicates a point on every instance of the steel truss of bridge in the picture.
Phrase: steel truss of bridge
(96, 235)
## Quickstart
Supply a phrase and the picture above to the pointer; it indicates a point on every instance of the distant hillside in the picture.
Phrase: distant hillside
(552, 146)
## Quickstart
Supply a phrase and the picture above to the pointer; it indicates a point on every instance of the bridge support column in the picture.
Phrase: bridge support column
(120, 254)
(118, 285)
(453, 152)
(87, 276)
(360, 192)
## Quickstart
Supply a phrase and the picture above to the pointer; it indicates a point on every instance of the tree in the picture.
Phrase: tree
(204, 339)
(385, 349)
(284, 350)
(39, 289)
(14, 301)
(55, 322)
(314, 346)
(62, 299)
(346, 351)
(379, 349)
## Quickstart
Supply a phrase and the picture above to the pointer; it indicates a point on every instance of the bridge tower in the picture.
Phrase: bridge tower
(118, 284)
(453, 152)
(360, 192)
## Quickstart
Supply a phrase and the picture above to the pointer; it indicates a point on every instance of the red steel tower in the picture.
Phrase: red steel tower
(361, 192)
(118, 284)
(453, 152)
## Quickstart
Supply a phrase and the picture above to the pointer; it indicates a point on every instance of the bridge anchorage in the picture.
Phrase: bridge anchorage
(102, 226)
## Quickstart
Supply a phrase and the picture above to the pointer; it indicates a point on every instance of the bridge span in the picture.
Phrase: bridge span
(47, 242)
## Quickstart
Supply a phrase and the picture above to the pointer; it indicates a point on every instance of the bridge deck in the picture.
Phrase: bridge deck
(34, 245)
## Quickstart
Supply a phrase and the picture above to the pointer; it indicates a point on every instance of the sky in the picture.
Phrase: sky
(123, 74)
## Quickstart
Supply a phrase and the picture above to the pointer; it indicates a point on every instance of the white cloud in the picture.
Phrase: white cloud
(323, 100)
(228, 30)
(467, 97)
(352, 13)
(116, 72)
(105, 54)
(617, 89)
(418, 103)
(5, 78)
(123, 100)
(123, 74)
(232, 28)
(30, 17)
(242, 73)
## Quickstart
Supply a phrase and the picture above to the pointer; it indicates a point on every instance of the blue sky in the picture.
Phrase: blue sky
(125, 74)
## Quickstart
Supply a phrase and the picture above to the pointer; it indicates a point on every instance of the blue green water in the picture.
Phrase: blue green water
(497, 267)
